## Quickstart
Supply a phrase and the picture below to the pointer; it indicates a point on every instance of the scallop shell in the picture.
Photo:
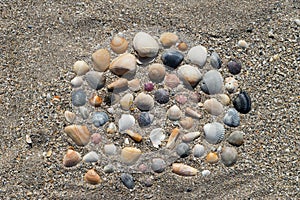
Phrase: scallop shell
(213, 106)
(242, 102)
(135, 136)
(229, 156)
(70, 116)
(144, 102)
(101, 60)
(129, 155)
(79, 134)
(71, 158)
(173, 138)
(232, 118)
(231, 85)
(92, 177)
(183, 170)
(174, 113)
(212, 82)
(156, 72)
(119, 44)
(214, 132)
(212, 158)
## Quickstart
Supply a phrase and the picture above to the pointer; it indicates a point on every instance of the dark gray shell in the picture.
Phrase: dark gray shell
(161, 96)
(144, 119)
(78, 97)
(172, 58)
(232, 118)
(212, 82)
(100, 118)
(215, 61)
(234, 67)
(127, 180)
(242, 102)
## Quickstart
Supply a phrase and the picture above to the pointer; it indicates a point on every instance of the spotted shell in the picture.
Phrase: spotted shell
(119, 44)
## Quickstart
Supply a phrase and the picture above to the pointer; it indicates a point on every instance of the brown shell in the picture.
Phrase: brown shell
(129, 155)
(212, 158)
(119, 44)
(92, 177)
(71, 158)
(101, 60)
(95, 100)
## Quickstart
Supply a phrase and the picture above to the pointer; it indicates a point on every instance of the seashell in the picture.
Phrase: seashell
(143, 168)
(76, 82)
(156, 72)
(112, 128)
(173, 138)
(231, 85)
(183, 150)
(78, 97)
(223, 99)
(232, 118)
(161, 96)
(119, 84)
(96, 80)
(242, 102)
(158, 165)
(189, 75)
(99, 119)
(145, 45)
(119, 44)
(108, 168)
(70, 116)
(212, 82)
(205, 172)
(96, 138)
(181, 99)
(198, 55)
(192, 113)
(111, 98)
(183, 170)
(135, 136)
(213, 107)
(95, 100)
(234, 67)
(243, 44)
(134, 85)
(84, 112)
(92, 177)
(91, 157)
(126, 122)
(81, 68)
(186, 122)
(110, 149)
(297, 21)
(236, 138)
(190, 136)
(229, 156)
(171, 80)
(198, 150)
(148, 87)
(123, 65)
(174, 113)
(145, 119)
(168, 39)
(129, 155)
(215, 60)
(144, 102)
(212, 158)
(172, 58)
(126, 101)
(182, 46)
(127, 180)
(79, 134)
(101, 60)
(214, 132)
(194, 97)
(157, 136)
(71, 158)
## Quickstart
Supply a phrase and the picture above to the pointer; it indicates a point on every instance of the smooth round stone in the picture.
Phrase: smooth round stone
(91, 157)
(243, 44)
(108, 168)
(213, 106)
(84, 112)
(198, 150)
(144, 102)
(156, 72)
(96, 80)
(232, 118)
(189, 75)
(234, 67)
(157, 136)
(183, 150)
(127, 180)
(110, 149)
(215, 60)
(148, 87)
(229, 156)
(78, 97)
(236, 138)
(124, 65)
(212, 82)
(76, 82)
(100, 118)
(158, 165)
(198, 55)
(126, 101)
(168, 39)
(126, 122)
(174, 113)
(172, 58)
(101, 60)
(80, 67)
(145, 119)
(145, 45)
(171, 80)
(161, 96)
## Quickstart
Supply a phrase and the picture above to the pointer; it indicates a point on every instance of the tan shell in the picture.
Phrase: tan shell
(174, 113)
(125, 63)
(212, 158)
(157, 72)
(187, 122)
(70, 116)
(92, 177)
(126, 101)
(80, 67)
(71, 158)
(182, 46)
(95, 100)
(173, 137)
(168, 39)
(101, 60)
(192, 113)
(118, 84)
(223, 99)
(129, 155)
(184, 170)
(119, 44)
(172, 80)
(190, 136)
(79, 134)
(135, 136)
(213, 107)
(134, 85)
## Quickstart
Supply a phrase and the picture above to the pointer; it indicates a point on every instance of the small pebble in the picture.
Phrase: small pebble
(171, 80)
(96, 80)
(198, 55)
(229, 156)
(158, 165)
(205, 172)
(78, 97)
(108, 168)
(234, 67)
(110, 149)
(236, 138)
(172, 58)
(243, 44)
(99, 119)
(183, 150)
(80, 67)
(198, 150)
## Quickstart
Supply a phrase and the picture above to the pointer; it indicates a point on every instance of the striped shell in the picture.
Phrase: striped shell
(242, 102)
(214, 132)
(232, 118)
(119, 44)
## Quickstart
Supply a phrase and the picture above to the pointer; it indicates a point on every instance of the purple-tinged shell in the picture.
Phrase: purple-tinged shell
(234, 67)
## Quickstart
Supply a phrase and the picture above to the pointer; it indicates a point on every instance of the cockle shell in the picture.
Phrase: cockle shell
(79, 134)
(119, 44)
(173, 138)
(135, 136)
(242, 102)
(125, 64)
(70, 116)
(231, 85)
(183, 170)
(145, 45)
(80, 67)
(101, 60)
(212, 158)
(192, 113)
(144, 102)
(212, 82)
(232, 118)
(214, 132)
(71, 158)
(190, 136)
(174, 113)
(213, 106)
(126, 122)
(92, 177)
(168, 39)
(129, 155)
(229, 156)
(156, 72)
(121, 83)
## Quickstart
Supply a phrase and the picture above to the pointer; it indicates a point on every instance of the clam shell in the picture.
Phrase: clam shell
(123, 65)
(171, 80)
(214, 132)
(156, 72)
(145, 119)
(78, 97)
(231, 85)
(236, 138)
(157, 136)
(70, 116)
(234, 67)
(119, 44)
(129, 155)
(126, 101)
(144, 102)
(187, 122)
(91, 157)
(172, 58)
(242, 102)
(174, 113)
(192, 113)
(135, 136)
(182, 46)
(161, 96)
(126, 122)
(92, 177)
(213, 106)
(145, 45)
(229, 156)
(190, 136)
(121, 83)
(212, 158)
(101, 60)
(80, 67)
(212, 82)
(183, 170)
(79, 134)
(173, 138)
(198, 55)
(71, 158)
(215, 60)
(96, 80)
(232, 118)
(168, 39)
(189, 75)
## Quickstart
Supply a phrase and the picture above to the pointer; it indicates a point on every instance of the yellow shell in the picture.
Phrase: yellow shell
(79, 134)
(212, 158)
(119, 44)
(129, 155)
(184, 170)
(135, 136)
(173, 137)
(71, 158)
(92, 177)
(101, 60)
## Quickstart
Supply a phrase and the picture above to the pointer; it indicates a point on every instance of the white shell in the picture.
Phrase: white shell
(198, 55)
(145, 45)
(174, 113)
(157, 136)
(126, 122)
(214, 132)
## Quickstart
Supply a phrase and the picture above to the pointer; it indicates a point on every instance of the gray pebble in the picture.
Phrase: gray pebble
(183, 150)
(78, 97)
(158, 165)
(100, 118)
(127, 180)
